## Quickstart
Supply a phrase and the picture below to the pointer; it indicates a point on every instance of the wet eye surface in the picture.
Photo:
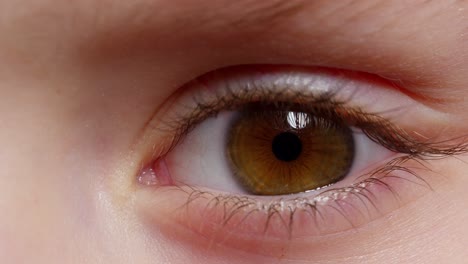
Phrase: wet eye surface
(263, 155)
(275, 152)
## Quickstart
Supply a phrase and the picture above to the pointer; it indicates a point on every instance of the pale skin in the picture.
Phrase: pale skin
(80, 79)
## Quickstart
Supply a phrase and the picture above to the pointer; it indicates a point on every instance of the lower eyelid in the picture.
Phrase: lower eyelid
(242, 221)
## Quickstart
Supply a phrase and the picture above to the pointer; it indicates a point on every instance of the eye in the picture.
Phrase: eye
(261, 154)
(265, 149)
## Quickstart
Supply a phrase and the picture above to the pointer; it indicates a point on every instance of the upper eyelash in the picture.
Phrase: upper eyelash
(377, 128)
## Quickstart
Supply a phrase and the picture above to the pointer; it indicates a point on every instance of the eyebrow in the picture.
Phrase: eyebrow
(266, 12)
(364, 33)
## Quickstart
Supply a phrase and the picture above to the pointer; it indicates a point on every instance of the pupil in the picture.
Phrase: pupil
(287, 146)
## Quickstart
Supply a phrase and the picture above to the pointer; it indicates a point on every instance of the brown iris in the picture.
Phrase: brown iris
(282, 152)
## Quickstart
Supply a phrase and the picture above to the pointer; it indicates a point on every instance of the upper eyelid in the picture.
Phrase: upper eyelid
(176, 117)
(375, 127)
(229, 98)
(301, 77)
(202, 92)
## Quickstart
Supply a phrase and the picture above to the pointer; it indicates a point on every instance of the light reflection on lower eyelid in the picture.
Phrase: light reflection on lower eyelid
(244, 221)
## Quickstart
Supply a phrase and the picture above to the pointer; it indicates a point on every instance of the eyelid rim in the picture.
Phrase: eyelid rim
(206, 229)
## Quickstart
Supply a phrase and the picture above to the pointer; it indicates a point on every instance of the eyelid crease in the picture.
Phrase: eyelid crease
(295, 76)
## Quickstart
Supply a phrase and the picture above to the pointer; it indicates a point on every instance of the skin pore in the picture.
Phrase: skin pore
(81, 80)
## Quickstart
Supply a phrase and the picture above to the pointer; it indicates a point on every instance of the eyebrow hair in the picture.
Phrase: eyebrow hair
(364, 35)
(266, 12)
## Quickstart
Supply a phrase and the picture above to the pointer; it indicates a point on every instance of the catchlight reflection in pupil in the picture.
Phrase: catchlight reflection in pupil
(275, 152)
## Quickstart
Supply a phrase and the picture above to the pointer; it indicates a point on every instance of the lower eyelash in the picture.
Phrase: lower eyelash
(278, 217)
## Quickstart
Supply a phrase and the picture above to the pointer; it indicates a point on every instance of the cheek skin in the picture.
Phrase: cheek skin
(37, 188)
(63, 143)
